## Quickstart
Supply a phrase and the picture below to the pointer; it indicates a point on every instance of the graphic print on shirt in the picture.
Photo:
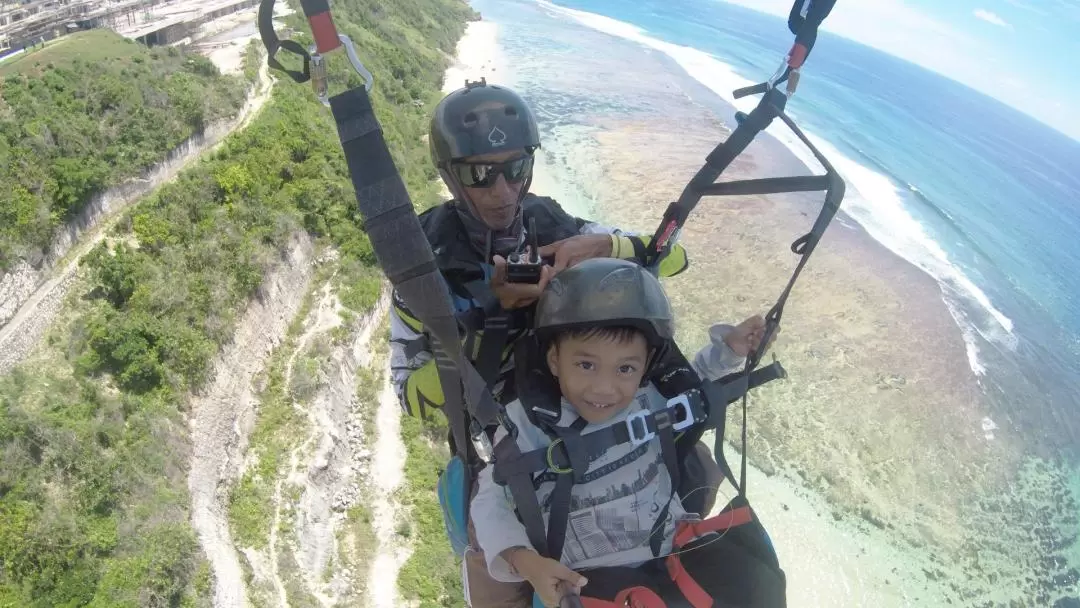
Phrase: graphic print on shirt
(617, 518)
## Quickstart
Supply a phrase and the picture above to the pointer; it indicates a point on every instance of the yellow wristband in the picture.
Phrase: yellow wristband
(624, 242)
(616, 245)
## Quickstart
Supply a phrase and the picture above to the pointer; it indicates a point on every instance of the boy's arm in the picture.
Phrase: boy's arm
(716, 359)
(497, 527)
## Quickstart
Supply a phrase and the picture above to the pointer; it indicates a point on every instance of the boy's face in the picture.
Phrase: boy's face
(599, 375)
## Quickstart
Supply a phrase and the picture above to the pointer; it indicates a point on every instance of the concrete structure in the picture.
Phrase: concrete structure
(178, 20)
(24, 23)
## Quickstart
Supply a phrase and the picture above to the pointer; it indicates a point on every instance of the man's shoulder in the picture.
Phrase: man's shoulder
(533, 200)
(436, 211)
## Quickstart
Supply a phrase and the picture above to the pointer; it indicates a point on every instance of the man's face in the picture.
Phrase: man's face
(493, 183)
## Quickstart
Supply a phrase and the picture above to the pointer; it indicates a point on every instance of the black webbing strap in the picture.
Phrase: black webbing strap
(666, 435)
(521, 488)
(403, 251)
(727, 390)
(574, 446)
(496, 326)
(704, 183)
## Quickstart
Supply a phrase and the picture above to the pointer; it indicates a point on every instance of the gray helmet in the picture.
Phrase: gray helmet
(606, 291)
(481, 118)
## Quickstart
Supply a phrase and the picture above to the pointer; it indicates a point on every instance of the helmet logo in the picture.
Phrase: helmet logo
(497, 137)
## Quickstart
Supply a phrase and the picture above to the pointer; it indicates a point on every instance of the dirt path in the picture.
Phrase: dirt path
(389, 471)
(325, 318)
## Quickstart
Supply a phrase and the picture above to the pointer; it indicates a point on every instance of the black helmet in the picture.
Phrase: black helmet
(481, 118)
(606, 291)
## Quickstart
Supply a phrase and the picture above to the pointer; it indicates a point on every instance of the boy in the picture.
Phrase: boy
(602, 325)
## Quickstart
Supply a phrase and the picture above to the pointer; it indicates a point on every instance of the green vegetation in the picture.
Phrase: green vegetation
(88, 113)
(432, 574)
(91, 496)
(94, 443)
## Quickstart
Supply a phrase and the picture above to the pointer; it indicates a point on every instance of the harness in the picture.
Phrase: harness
(692, 408)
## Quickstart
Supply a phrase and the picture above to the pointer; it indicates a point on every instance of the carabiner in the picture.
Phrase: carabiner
(356, 63)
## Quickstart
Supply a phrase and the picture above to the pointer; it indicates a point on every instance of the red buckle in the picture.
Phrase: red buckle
(668, 230)
(797, 56)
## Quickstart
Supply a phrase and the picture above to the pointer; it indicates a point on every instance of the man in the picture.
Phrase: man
(482, 139)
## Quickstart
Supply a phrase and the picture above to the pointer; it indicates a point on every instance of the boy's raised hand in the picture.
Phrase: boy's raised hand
(549, 578)
(747, 336)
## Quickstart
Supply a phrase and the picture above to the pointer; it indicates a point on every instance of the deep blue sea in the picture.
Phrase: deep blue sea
(977, 194)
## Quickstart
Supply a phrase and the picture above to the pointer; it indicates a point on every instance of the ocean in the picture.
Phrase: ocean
(977, 195)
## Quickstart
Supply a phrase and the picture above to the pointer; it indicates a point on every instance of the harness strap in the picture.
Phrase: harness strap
(689, 530)
(496, 323)
(727, 390)
(638, 428)
(641, 427)
(671, 462)
(521, 488)
(403, 251)
(572, 441)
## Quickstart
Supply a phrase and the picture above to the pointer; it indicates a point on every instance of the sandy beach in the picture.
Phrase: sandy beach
(477, 57)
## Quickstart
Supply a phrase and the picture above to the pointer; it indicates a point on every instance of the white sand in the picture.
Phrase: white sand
(477, 57)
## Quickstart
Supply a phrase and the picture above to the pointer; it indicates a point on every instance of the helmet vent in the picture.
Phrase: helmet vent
(470, 119)
(511, 111)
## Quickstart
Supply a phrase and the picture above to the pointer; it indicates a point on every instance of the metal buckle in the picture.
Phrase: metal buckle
(683, 402)
(646, 435)
(482, 445)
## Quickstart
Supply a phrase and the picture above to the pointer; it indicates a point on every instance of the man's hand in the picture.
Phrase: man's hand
(549, 578)
(747, 336)
(570, 251)
(517, 295)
